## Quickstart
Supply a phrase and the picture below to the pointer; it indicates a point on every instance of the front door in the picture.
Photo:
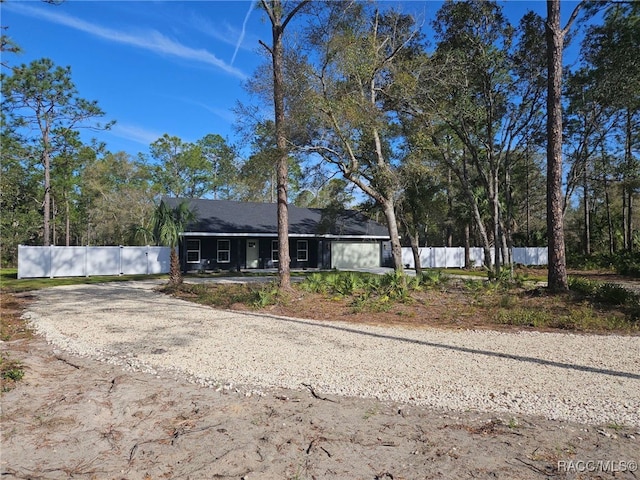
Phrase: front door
(252, 253)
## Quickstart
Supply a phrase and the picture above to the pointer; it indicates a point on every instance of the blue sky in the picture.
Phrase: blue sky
(162, 67)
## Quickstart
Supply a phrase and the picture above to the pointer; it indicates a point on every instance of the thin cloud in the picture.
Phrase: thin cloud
(134, 133)
(152, 41)
(244, 29)
(224, 114)
(224, 32)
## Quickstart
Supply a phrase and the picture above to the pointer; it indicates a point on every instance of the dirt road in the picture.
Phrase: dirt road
(80, 417)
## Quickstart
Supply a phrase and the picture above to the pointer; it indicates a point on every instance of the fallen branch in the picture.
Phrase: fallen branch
(64, 360)
(309, 447)
(315, 395)
(536, 469)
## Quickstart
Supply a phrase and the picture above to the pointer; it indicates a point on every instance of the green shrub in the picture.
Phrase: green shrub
(394, 286)
(583, 286)
(347, 284)
(607, 293)
(432, 278)
(473, 285)
(624, 263)
(264, 296)
(614, 294)
(316, 283)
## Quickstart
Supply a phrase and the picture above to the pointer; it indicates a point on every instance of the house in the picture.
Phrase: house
(230, 235)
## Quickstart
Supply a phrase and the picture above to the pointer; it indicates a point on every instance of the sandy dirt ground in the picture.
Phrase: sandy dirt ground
(76, 417)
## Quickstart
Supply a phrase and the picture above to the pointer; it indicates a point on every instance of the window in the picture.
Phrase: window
(193, 251)
(274, 250)
(224, 251)
(303, 250)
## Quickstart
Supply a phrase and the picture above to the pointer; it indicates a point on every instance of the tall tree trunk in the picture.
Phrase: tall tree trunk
(631, 177)
(630, 218)
(625, 230)
(283, 164)
(607, 203)
(508, 224)
(67, 214)
(497, 240)
(415, 250)
(46, 160)
(467, 246)
(396, 249)
(527, 197)
(54, 219)
(587, 214)
(482, 231)
(449, 239)
(274, 9)
(557, 275)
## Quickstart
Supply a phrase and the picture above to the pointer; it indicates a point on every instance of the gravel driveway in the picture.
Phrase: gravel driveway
(584, 378)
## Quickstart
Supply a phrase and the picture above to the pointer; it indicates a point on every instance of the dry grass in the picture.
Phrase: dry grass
(12, 327)
(454, 304)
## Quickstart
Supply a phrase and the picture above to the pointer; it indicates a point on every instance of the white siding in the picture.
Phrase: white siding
(346, 255)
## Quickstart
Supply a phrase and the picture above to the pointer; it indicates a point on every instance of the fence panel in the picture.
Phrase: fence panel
(104, 260)
(531, 255)
(453, 257)
(34, 262)
(54, 261)
(158, 259)
(64, 261)
(134, 261)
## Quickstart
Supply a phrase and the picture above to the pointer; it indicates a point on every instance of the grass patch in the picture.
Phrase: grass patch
(228, 295)
(9, 281)
(12, 327)
(221, 296)
(581, 318)
(11, 372)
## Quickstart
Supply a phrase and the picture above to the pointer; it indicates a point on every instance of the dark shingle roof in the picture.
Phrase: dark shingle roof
(230, 217)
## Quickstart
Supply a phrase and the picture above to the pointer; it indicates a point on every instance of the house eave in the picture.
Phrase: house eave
(292, 235)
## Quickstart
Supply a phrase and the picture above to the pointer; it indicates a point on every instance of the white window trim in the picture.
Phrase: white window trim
(274, 249)
(193, 250)
(228, 250)
(305, 250)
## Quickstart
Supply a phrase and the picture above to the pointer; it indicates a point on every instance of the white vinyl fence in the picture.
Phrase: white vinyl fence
(55, 261)
(453, 257)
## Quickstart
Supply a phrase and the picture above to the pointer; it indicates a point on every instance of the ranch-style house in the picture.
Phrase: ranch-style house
(230, 235)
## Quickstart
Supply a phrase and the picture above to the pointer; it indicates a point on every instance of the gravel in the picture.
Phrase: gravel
(592, 379)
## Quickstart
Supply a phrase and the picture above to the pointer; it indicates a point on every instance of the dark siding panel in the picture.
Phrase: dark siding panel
(208, 251)
(312, 253)
(387, 255)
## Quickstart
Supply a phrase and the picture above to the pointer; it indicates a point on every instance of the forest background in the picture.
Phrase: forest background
(437, 126)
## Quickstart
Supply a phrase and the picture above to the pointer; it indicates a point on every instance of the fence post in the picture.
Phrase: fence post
(50, 261)
(19, 248)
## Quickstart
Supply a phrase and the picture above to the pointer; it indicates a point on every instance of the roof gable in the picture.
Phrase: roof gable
(230, 217)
